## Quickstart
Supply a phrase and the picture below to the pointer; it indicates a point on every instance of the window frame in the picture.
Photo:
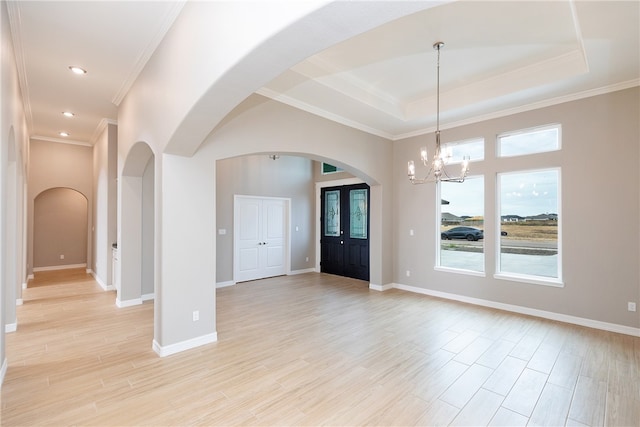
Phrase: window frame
(438, 240)
(534, 129)
(528, 278)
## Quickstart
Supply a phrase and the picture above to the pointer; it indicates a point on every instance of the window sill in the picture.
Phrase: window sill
(534, 280)
(460, 271)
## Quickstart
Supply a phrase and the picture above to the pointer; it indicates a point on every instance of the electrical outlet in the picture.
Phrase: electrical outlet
(61, 256)
(631, 306)
(408, 273)
(410, 232)
(196, 316)
(306, 259)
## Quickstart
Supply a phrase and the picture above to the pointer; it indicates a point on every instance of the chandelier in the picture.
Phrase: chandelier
(441, 157)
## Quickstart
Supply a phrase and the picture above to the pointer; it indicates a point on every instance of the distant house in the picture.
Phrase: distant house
(511, 218)
(543, 217)
(449, 218)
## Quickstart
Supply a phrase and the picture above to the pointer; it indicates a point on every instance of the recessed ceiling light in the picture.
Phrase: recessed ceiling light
(68, 114)
(63, 134)
(77, 70)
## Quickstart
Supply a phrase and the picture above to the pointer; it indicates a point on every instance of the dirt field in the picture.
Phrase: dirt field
(541, 230)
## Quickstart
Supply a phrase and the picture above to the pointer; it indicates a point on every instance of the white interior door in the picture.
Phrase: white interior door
(260, 237)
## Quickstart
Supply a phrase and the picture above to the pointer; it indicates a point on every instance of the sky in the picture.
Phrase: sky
(522, 193)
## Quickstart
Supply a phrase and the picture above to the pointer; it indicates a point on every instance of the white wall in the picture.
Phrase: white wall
(104, 204)
(14, 155)
(148, 229)
(600, 211)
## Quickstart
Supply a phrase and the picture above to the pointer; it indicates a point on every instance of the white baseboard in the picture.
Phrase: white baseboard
(58, 267)
(97, 278)
(10, 327)
(128, 303)
(148, 297)
(19, 301)
(225, 284)
(3, 370)
(170, 349)
(566, 318)
(380, 288)
(303, 271)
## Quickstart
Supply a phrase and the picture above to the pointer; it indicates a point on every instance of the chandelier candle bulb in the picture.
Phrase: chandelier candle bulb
(411, 169)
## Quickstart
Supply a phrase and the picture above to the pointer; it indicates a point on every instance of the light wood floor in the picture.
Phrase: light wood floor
(312, 349)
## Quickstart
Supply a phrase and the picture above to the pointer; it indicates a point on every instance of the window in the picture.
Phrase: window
(327, 169)
(332, 213)
(529, 225)
(358, 211)
(462, 225)
(474, 148)
(530, 141)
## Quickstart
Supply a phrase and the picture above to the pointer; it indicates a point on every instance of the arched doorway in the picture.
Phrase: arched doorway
(135, 278)
(60, 218)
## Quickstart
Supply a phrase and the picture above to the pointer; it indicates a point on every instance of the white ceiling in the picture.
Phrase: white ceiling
(499, 58)
(112, 40)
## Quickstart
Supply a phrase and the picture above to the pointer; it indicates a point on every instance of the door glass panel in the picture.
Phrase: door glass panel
(332, 213)
(358, 214)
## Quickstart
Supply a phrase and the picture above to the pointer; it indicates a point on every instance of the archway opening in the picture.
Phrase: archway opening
(136, 245)
(60, 230)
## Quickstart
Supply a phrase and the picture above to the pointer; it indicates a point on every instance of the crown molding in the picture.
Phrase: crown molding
(296, 103)
(61, 141)
(527, 107)
(147, 52)
(13, 10)
(100, 128)
(497, 114)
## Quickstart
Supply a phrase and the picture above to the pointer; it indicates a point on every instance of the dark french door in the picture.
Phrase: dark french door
(344, 244)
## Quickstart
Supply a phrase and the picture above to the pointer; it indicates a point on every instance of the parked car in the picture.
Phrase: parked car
(503, 233)
(469, 233)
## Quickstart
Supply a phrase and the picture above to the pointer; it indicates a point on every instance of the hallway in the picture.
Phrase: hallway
(311, 349)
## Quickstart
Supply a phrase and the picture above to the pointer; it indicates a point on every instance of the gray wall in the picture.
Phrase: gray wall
(60, 228)
(105, 152)
(258, 175)
(600, 186)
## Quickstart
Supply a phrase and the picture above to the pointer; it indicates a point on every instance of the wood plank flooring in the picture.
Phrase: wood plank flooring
(311, 349)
